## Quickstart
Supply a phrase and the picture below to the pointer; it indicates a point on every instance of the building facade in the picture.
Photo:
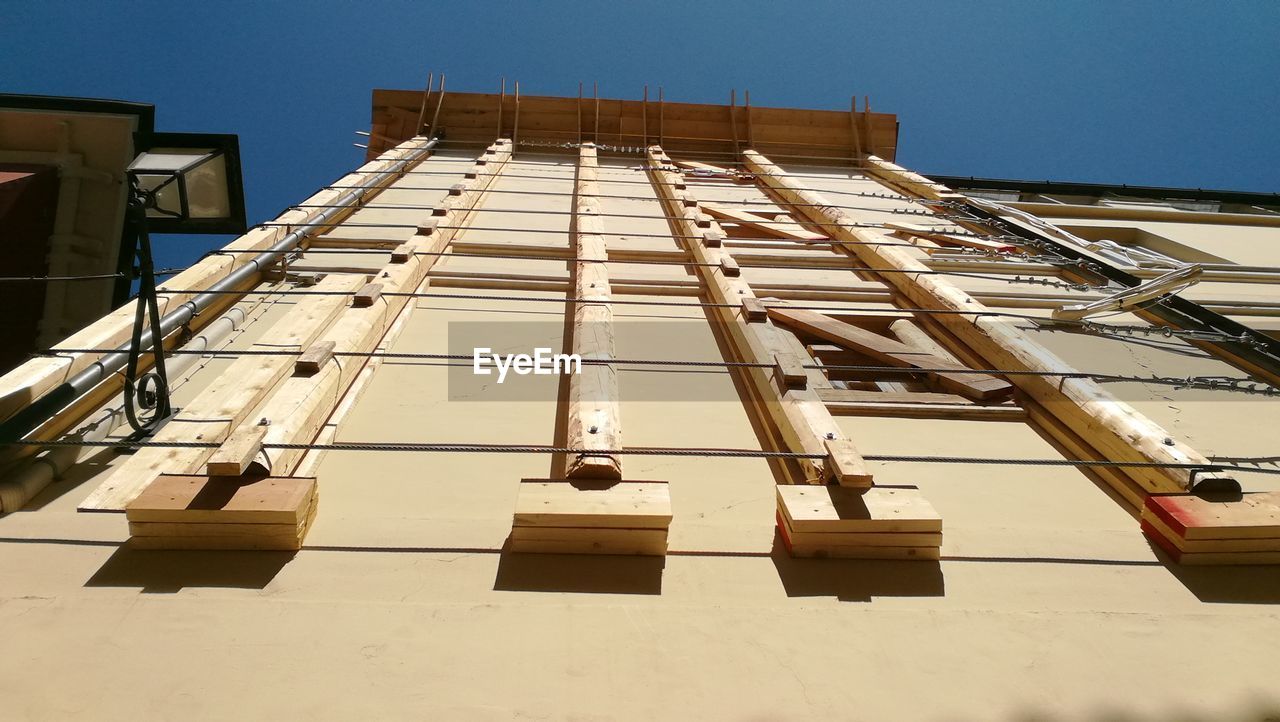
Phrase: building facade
(984, 449)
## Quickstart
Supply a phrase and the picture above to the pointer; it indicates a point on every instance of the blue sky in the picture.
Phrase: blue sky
(1157, 93)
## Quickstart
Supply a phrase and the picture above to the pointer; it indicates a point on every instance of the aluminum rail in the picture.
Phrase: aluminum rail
(40, 410)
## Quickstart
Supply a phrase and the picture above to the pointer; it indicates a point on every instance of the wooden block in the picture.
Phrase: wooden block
(235, 454)
(428, 226)
(557, 540)
(211, 543)
(196, 529)
(688, 201)
(438, 211)
(457, 189)
(1152, 524)
(788, 372)
(753, 310)
(827, 508)
(1251, 516)
(1208, 558)
(730, 267)
(621, 504)
(701, 220)
(711, 239)
(471, 175)
(482, 162)
(314, 358)
(845, 465)
(402, 253)
(367, 295)
(187, 498)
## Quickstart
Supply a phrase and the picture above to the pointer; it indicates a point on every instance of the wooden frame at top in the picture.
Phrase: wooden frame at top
(689, 129)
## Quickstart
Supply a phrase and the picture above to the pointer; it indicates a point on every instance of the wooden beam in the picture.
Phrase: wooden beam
(298, 410)
(38, 376)
(885, 350)
(1113, 427)
(233, 457)
(594, 419)
(789, 231)
(227, 401)
(314, 358)
(800, 416)
(916, 405)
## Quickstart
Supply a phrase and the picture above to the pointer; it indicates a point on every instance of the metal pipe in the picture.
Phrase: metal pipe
(52, 462)
(31, 417)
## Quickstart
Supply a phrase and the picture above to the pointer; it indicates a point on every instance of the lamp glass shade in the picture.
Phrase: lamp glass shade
(184, 183)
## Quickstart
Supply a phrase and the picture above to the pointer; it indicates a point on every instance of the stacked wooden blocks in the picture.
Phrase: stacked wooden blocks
(591, 517)
(1239, 529)
(204, 512)
(879, 522)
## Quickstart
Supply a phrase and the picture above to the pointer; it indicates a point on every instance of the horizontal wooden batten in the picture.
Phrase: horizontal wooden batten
(686, 127)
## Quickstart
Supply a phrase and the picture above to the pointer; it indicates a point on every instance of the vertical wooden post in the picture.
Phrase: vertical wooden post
(595, 93)
(798, 413)
(502, 100)
(435, 117)
(733, 121)
(426, 95)
(853, 129)
(593, 414)
(644, 117)
(515, 129)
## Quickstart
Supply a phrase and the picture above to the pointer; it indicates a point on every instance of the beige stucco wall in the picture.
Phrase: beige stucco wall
(1048, 602)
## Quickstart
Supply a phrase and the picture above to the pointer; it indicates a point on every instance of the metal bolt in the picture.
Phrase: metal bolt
(593, 430)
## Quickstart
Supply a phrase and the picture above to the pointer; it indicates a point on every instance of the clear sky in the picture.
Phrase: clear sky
(1155, 93)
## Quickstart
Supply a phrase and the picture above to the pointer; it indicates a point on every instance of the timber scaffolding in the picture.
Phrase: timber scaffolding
(693, 196)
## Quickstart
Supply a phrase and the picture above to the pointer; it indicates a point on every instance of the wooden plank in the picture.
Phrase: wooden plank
(1210, 558)
(906, 230)
(1152, 524)
(788, 231)
(621, 504)
(207, 529)
(1112, 427)
(894, 353)
(202, 499)
(729, 267)
(802, 420)
(1252, 516)
(314, 358)
(754, 311)
(788, 372)
(227, 400)
(233, 457)
(593, 412)
(299, 409)
(38, 376)
(877, 509)
(838, 539)
(952, 412)
(367, 295)
(843, 462)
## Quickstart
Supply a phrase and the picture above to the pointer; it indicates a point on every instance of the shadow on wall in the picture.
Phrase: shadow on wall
(855, 580)
(166, 572)
(580, 573)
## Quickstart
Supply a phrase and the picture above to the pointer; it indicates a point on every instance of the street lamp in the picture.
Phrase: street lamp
(183, 183)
